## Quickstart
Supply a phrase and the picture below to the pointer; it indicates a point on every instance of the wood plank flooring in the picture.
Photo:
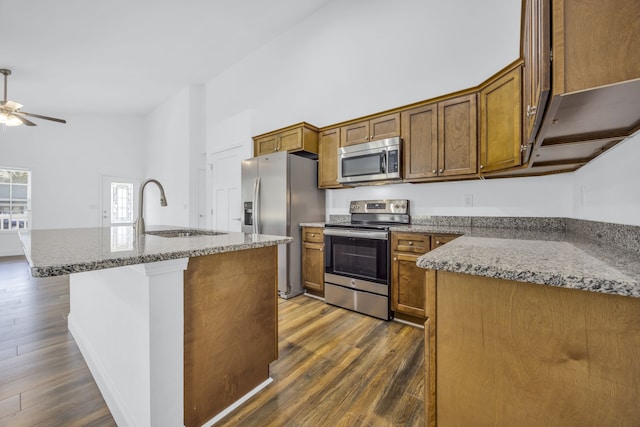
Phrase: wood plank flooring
(339, 368)
(43, 377)
(335, 367)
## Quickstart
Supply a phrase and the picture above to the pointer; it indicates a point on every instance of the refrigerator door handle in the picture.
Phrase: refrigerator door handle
(256, 206)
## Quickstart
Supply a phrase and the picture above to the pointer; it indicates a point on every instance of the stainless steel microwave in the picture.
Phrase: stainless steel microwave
(370, 161)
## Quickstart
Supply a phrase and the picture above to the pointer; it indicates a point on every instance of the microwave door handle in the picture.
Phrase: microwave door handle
(383, 162)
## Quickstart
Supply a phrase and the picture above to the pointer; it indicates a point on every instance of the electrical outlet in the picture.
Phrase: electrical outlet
(468, 200)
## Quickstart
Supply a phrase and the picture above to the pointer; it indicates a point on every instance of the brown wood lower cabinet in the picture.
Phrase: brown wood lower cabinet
(313, 260)
(409, 283)
(230, 329)
(522, 354)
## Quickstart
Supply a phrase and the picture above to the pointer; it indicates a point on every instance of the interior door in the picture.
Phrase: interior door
(202, 198)
(119, 200)
(226, 184)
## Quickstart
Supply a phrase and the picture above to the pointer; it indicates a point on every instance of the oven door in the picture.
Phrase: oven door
(358, 254)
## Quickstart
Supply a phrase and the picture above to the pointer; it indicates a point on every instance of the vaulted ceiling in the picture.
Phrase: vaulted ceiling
(127, 56)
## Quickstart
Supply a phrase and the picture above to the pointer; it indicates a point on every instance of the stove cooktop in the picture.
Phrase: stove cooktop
(376, 214)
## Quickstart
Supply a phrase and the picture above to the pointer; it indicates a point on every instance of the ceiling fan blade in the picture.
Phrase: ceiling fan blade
(24, 120)
(53, 119)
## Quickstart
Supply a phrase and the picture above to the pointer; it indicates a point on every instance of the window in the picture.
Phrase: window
(15, 199)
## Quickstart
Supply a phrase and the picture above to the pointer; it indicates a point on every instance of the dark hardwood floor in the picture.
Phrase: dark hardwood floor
(335, 367)
(43, 377)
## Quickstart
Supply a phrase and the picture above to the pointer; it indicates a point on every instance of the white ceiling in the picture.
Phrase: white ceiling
(127, 56)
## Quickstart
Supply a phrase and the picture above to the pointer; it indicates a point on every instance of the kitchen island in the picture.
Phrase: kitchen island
(532, 327)
(175, 329)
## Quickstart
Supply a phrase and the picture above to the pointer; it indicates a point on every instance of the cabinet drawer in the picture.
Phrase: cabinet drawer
(440, 239)
(312, 234)
(411, 242)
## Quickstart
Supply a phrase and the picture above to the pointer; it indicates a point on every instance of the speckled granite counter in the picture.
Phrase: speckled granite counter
(63, 251)
(550, 251)
(553, 258)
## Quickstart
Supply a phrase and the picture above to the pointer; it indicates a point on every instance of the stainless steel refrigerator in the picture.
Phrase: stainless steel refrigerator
(280, 191)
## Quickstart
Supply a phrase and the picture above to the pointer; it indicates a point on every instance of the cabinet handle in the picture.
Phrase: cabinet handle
(437, 242)
(434, 171)
(410, 243)
(395, 258)
(313, 235)
(481, 166)
(441, 170)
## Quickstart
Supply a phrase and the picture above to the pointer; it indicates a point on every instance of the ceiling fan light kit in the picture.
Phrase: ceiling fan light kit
(11, 113)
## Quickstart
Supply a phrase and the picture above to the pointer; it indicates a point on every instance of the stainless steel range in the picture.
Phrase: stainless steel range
(357, 256)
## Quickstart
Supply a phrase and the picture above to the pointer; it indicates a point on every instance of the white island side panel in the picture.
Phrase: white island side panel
(129, 323)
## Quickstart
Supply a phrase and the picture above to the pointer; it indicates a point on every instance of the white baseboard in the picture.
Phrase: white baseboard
(118, 410)
(238, 403)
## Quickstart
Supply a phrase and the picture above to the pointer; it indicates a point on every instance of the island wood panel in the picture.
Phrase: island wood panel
(534, 355)
(230, 328)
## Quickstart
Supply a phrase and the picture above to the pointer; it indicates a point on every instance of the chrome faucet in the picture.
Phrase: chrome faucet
(139, 224)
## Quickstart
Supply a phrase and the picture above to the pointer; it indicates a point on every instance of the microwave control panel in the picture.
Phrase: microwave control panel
(393, 161)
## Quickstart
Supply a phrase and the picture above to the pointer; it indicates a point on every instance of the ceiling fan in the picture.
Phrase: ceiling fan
(11, 113)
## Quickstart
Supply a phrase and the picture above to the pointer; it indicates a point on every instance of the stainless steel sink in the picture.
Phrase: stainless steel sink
(184, 233)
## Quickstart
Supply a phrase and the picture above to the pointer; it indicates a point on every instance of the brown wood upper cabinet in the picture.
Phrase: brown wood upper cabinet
(536, 52)
(500, 122)
(382, 127)
(594, 101)
(299, 137)
(440, 139)
(313, 260)
(328, 158)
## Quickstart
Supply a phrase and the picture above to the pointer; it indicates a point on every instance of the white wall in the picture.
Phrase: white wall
(175, 141)
(67, 162)
(358, 57)
(539, 196)
(607, 188)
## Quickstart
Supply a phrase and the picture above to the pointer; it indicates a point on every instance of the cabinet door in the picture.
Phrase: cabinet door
(384, 127)
(420, 138)
(313, 266)
(356, 133)
(457, 136)
(536, 51)
(408, 285)
(328, 158)
(265, 145)
(290, 140)
(500, 118)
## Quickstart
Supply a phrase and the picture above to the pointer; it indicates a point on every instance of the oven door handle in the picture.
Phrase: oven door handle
(360, 234)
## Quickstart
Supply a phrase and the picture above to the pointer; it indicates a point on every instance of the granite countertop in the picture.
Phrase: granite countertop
(63, 251)
(544, 254)
(312, 224)
(554, 258)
